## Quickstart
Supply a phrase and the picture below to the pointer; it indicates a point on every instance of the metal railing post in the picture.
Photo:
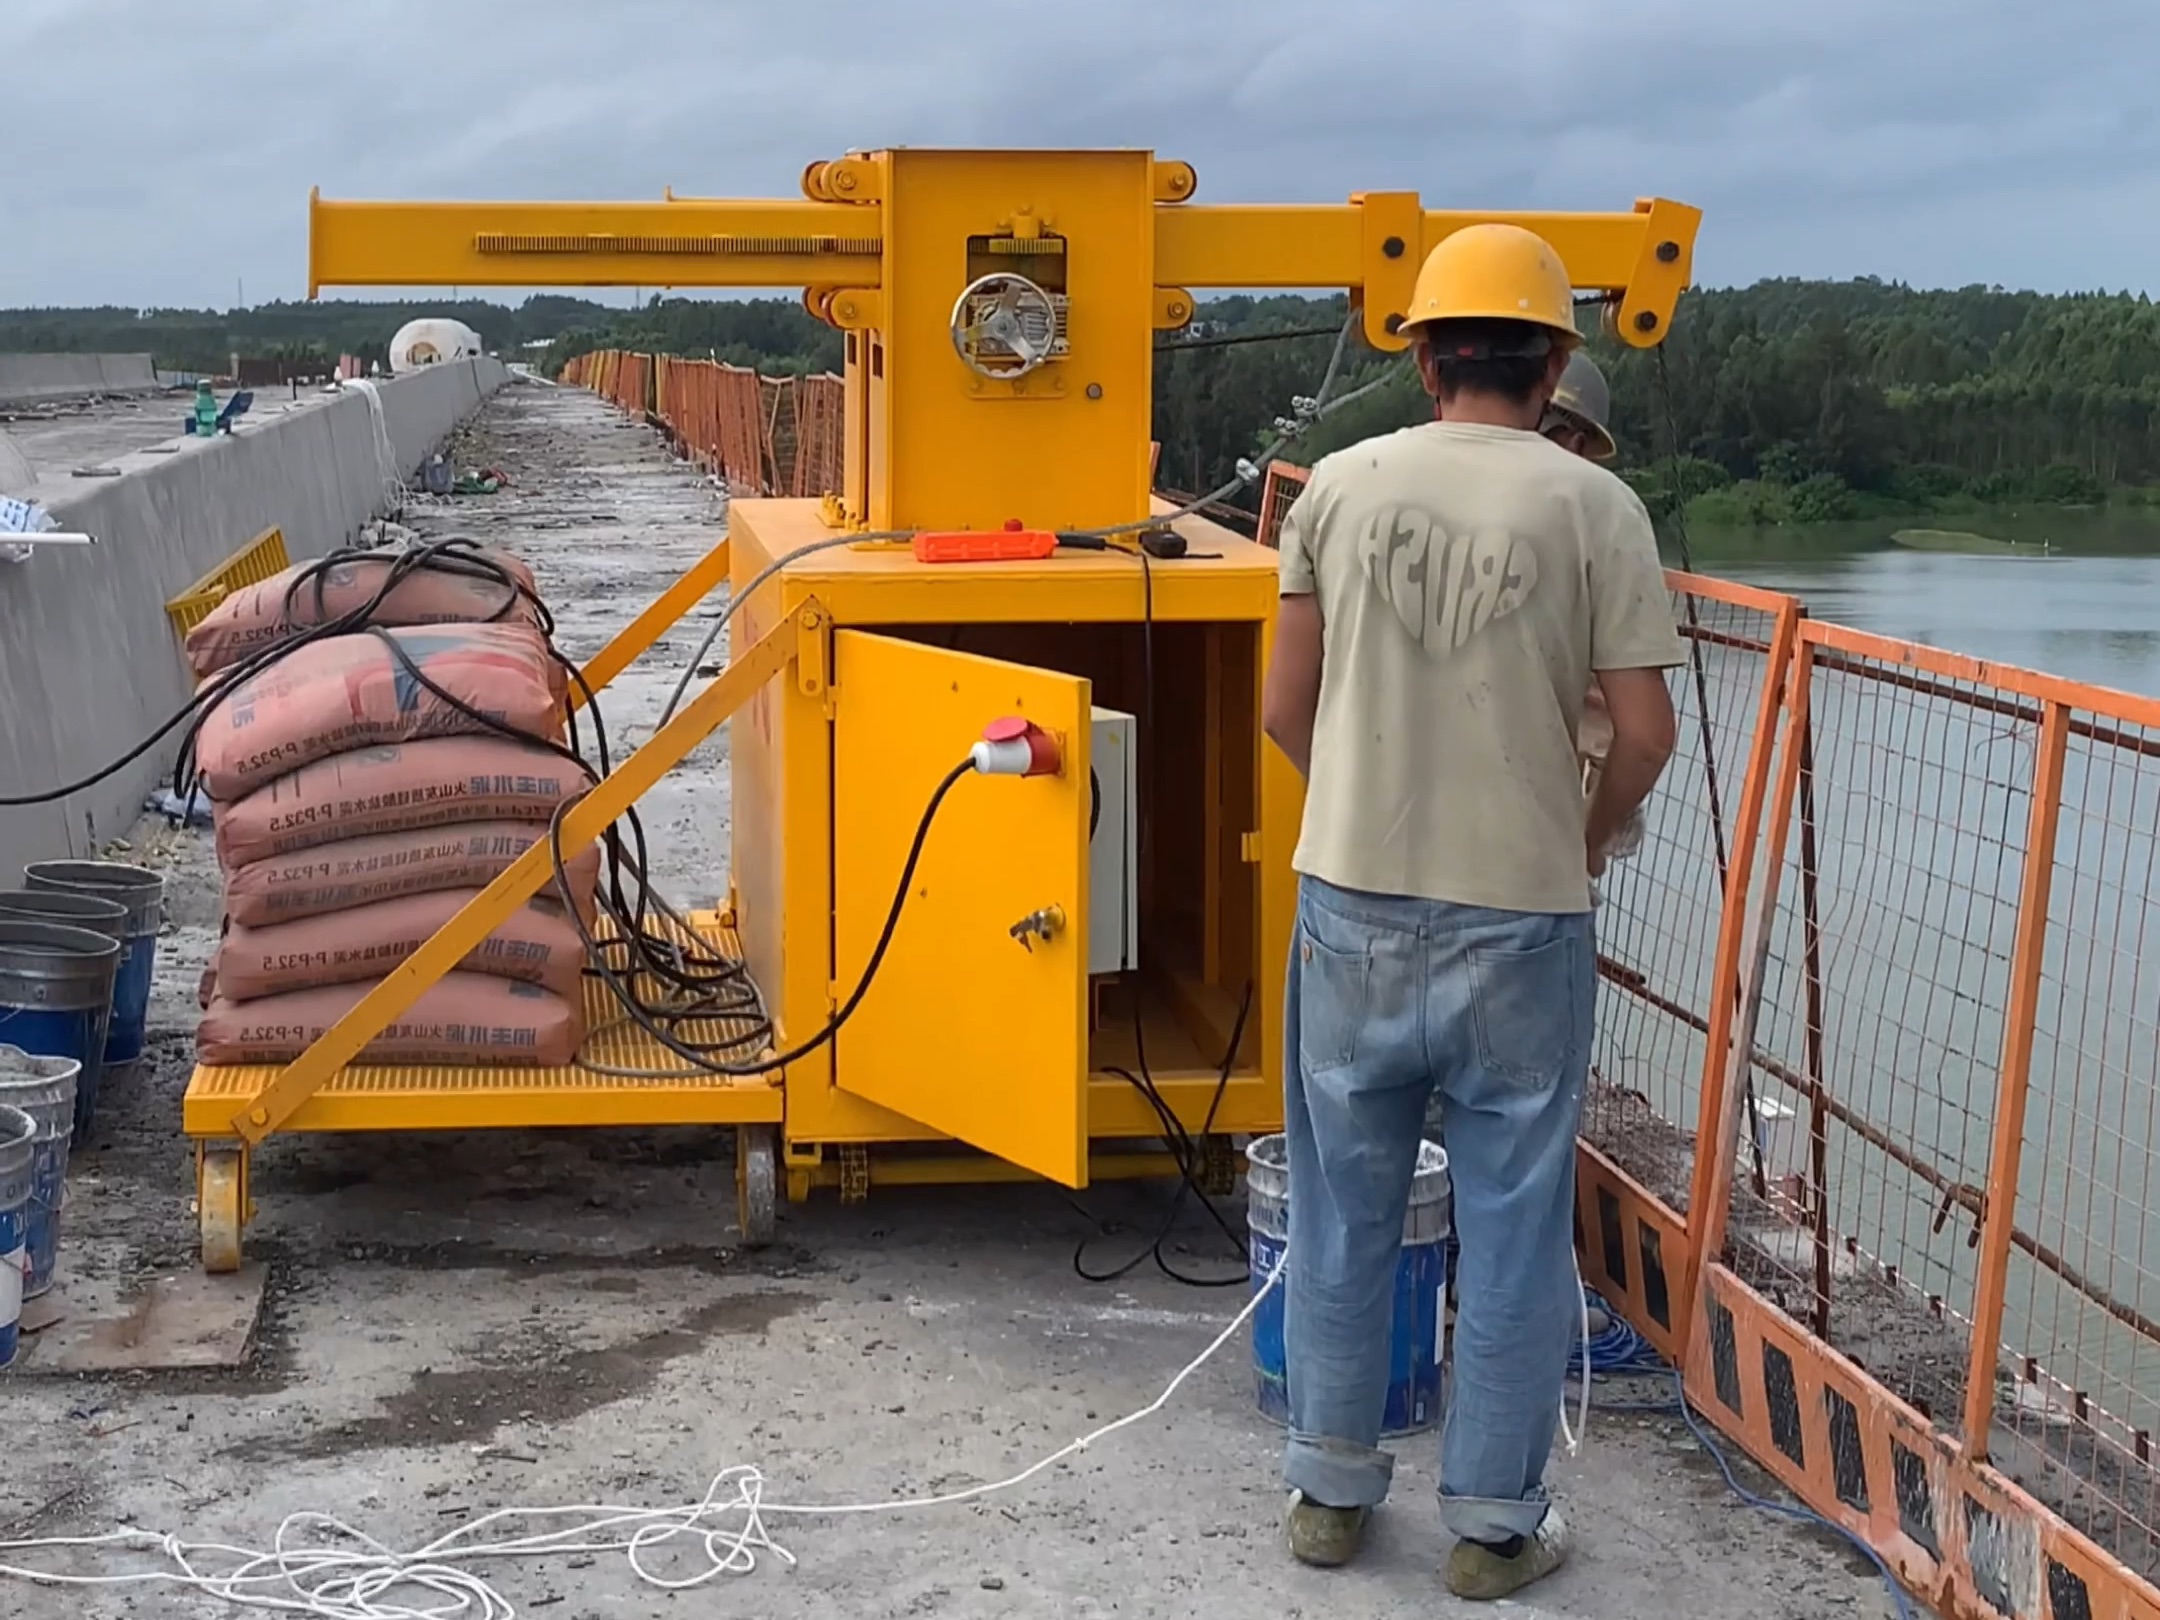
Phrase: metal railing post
(1738, 988)
(1782, 680)
(1999, 1209)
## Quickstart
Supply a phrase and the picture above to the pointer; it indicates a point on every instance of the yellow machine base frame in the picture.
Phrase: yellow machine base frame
(445, 1097)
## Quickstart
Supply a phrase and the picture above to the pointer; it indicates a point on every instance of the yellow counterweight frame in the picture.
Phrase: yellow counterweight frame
(862, 674)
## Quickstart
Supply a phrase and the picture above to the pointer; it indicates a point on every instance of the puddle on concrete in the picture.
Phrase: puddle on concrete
(468, 1404)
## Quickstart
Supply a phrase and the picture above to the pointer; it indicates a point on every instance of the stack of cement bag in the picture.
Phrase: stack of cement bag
(358, 808)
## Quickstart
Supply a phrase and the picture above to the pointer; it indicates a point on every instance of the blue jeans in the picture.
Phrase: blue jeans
(1390, 998)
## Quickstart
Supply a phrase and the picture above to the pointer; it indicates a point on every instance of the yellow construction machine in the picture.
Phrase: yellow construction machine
(1085, 944)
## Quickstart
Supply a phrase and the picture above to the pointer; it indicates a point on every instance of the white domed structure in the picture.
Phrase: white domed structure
(430, 342)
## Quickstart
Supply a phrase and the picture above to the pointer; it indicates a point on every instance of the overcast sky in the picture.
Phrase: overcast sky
(161, 152)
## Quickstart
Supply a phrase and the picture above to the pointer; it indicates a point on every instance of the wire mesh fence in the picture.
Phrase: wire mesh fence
(764, 435)
(1284, 483)
(2077, 1386)
(1947, 962)
(1658, 906)
(1954, 974)
(1884, 998)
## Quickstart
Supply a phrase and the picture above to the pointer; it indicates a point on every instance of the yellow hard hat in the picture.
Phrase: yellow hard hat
(1495, 272)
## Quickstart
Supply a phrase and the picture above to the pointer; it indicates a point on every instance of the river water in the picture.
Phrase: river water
(1922, 806)
(2087, 607)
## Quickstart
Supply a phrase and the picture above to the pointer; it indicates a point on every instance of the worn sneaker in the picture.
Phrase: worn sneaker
(1324, 1537)
(1478, 1571)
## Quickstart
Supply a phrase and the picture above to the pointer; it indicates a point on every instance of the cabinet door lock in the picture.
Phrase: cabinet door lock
(1036, 925)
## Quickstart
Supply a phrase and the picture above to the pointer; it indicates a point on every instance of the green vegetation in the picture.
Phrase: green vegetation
(1792, 401)
(1825, 400)
(770, 332)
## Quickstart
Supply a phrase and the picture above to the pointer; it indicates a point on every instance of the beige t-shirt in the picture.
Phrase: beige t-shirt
(1470, 580)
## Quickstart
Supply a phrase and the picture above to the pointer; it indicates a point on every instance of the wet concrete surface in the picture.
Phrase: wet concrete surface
(458, 1323)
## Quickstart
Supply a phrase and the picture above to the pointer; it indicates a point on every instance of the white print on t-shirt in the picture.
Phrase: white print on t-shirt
(1445, 588)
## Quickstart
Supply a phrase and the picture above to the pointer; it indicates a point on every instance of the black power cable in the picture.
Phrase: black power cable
(717, 984)
(1186, 1150)
(1231, 340)
(701, 1054)
(448, 556)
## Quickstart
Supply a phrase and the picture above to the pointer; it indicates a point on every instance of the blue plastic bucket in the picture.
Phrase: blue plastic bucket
(56, 990)
(142, 892)
(18, 1148)
(1415, 1335)
(43, 1088)
(72, 909)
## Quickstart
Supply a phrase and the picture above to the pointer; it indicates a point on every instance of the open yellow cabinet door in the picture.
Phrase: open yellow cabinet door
(967, 1030)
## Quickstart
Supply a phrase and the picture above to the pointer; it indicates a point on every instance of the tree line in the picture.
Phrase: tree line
(774, 333)
(1788, 400)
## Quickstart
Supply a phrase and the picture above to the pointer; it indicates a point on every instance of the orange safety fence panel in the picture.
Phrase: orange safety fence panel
(820, 434)
(1282, 486)
(762, 435)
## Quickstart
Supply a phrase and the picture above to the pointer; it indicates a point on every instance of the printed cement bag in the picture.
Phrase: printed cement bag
(261, 615)
(398, 787)
(466, 1018)
(539, 944)
(362, 871)
(353, 692)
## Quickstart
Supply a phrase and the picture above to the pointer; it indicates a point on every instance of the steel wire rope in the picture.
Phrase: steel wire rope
(1701, 680)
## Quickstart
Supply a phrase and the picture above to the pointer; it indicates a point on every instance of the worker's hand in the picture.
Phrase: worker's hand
(1594, 861)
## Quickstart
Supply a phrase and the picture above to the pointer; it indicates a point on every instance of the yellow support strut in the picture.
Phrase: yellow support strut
(630, 643)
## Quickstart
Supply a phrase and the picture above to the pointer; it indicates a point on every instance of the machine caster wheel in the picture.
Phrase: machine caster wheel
(757, 1183)
(221, 1204)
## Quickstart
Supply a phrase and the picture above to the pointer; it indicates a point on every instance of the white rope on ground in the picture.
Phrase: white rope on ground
(1577, 1432)
(319, 1565)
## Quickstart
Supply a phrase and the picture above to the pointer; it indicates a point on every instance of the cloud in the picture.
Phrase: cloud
(160, 154)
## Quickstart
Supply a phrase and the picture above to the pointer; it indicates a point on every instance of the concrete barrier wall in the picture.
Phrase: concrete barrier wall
(89, 663)
(30, 379)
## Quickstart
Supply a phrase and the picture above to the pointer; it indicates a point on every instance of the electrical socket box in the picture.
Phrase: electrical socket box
(1113, 846)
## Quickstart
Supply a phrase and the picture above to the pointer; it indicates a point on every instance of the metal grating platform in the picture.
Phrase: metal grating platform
(660, 1090)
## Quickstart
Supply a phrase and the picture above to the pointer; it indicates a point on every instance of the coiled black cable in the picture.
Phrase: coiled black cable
(699, 975)
(666, 1024)
(1185, 1149)
(448, 555)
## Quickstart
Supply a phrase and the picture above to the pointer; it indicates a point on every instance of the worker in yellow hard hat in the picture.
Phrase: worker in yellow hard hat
(1448, 592)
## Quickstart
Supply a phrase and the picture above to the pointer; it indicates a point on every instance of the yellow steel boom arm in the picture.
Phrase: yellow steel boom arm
(702, 244)
(1372, 244)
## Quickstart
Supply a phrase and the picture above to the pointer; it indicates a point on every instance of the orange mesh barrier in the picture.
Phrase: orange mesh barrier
(763, 435)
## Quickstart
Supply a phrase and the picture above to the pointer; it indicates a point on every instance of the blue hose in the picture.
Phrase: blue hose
(1620, 1352)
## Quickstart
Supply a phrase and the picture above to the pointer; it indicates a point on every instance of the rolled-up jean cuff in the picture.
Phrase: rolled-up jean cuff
(1478, 1518)
(1336, 1473)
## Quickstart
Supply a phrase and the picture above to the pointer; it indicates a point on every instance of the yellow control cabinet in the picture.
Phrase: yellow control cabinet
(968, 1032)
